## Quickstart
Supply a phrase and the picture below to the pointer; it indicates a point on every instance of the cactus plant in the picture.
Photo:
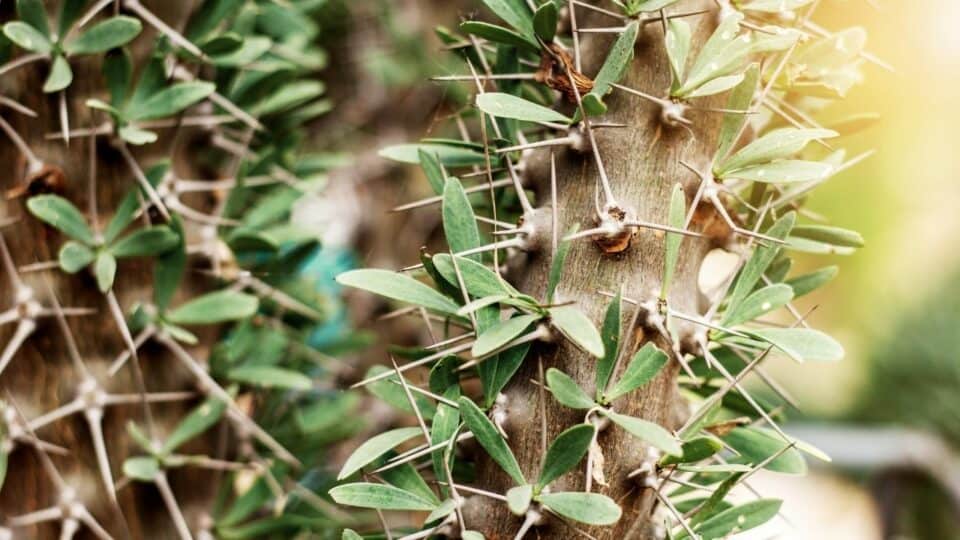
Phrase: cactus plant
(578, 381)
(196, 403)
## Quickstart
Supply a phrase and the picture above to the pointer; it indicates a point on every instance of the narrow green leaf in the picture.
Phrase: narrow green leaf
(565, 453)
(545, 21)
(105, 35)
(678, 47)
(676, 219)
(446, 508)
(449, 155)
(75, 256)
(172, 100)
(199, 420)
(802, 344)
(834, 236)
(137, 136)
(350, 534)
(778, 144)
(509, 106)
(694, 450)
(490, 439)
(576, 327)
(391, 391)
(60, 75)
(61, 214)
(610, 334)
(786, 171)
(398, 287)
(146, 242)
(498, 34)
(740, 100)
(479, 280)
(567, 391)
(379, 496)
(647, 432)
(27, 37)
(516, 14)
(556, 266)
(499, 335)
(215, 307)
(759, 261)
(117, 70)
(808, 283)
(716, 86)
(270, 377)
(375, 447)
(615, 65)
(459, 222)
(643, 367)
(737, 519)
(756, 445)
(721, 55)
(760, 302)
(589, 508)
(105, 269)
(430, 164)
(142, 468)
(471, 535)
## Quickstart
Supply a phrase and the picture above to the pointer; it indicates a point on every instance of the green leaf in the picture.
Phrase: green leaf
(498, 34)
(430, 164)
(567, 391)
(808, 283)
(75, 256)
(60, 75)
(288, 97)
(802, 344)
(471, 535)
(406, 477)
(589, 508)
(610, 334)
(677, 219)
(169, 268)
(479, 280)
(615, 65)
(105, 35)
(834, 236)
(716, 86)
(740, 100)
(643, 367)
(449, 155)
(379, 496)
(390, 390)
(501, 334)
(576, 327)
(545, 21)
(350, 534)
(509, 106)
(105, 269)
(61, 214)
(143, 468)
(146, 242)
(565, 453)
(518, 499)
(459, 222)
(270, 377)
(678, 47)
(70, 11)
(737, 519)
(490, 439)
(136, 136)
(694, 450)
(778, 144)
(773, 6)
(722, 54)
(200, 419)
(172, 100)
(117, 69)
(34, 13)
(786, 171)
(648, 432)
(215, 307)
(516, 14)
(375, 447)
(759, 302)
(756, 445)
(759, 261)
(27, 37)
(556, 266)
(446, 508)
(398, 287)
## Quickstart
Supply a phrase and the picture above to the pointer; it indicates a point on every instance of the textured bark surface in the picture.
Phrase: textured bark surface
(41, 377)
(642, 164)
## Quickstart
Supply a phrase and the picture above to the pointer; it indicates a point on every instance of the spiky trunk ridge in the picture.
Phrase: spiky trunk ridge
(642, 164)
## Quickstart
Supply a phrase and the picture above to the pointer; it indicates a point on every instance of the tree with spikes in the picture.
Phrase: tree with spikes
(578, 380)
(162, 371)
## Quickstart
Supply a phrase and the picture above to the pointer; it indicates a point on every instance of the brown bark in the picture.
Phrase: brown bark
(41, 376)
(642, 164)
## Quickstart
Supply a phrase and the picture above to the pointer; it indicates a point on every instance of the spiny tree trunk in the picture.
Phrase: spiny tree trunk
(642, 162)
(41, 376)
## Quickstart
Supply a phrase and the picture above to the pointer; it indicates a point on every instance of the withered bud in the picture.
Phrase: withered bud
(554, 65)
(47, 179)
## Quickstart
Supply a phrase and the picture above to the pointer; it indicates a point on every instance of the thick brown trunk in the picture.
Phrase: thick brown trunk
(642, 164)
